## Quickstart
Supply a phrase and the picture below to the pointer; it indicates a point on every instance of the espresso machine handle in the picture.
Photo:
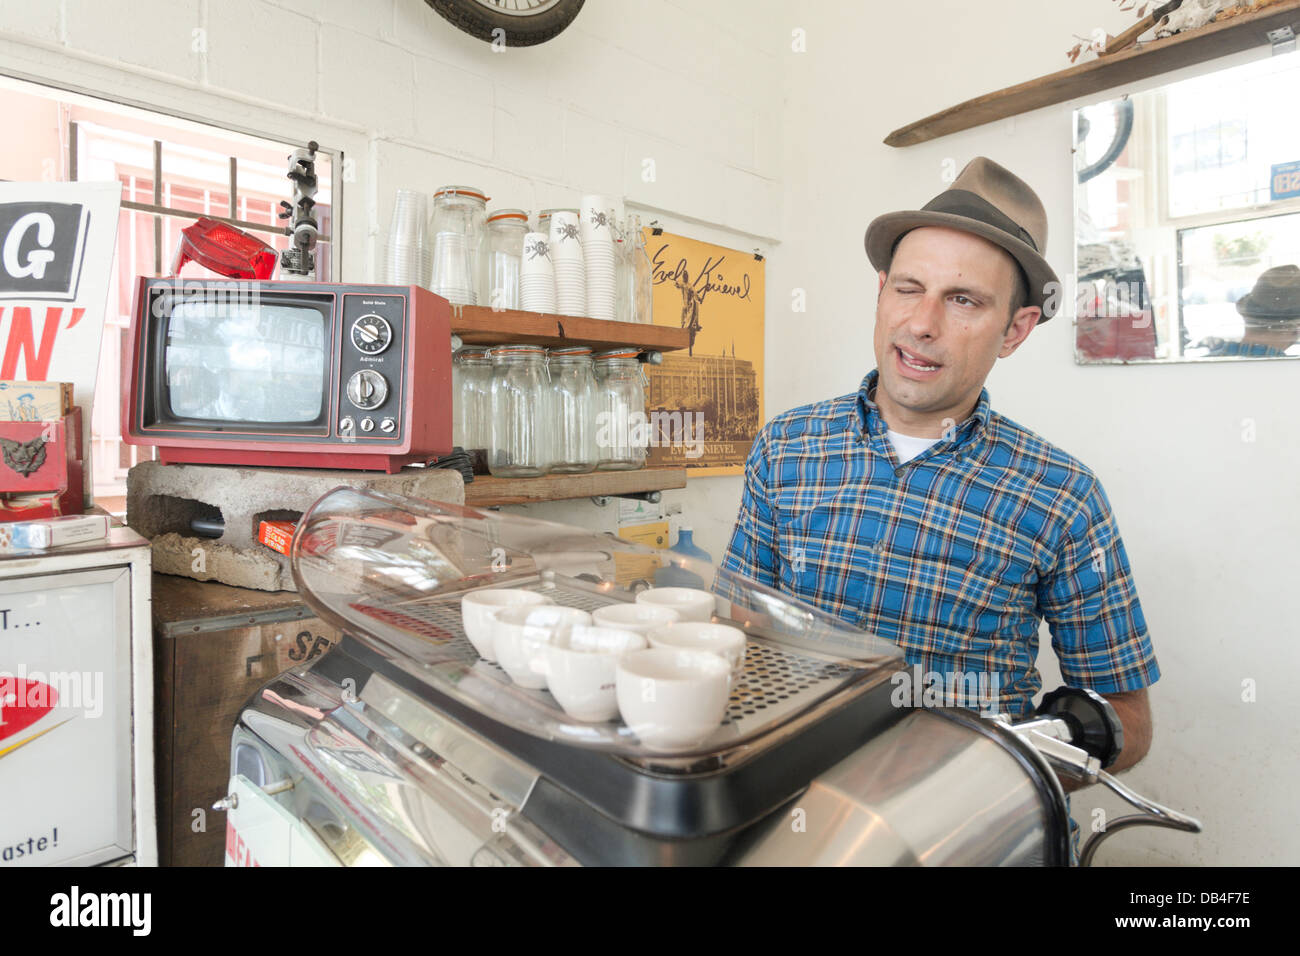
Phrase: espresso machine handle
(1079, 733)
(1094, 725)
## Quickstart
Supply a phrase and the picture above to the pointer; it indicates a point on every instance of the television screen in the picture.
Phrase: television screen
(246, 362)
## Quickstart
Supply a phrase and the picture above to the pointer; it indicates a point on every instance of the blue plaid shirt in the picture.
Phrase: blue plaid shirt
(955, 555)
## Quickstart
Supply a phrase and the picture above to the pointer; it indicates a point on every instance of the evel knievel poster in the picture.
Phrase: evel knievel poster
(56, 255)
(705, 402)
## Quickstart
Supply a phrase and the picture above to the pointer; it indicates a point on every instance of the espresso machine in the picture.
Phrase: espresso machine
(401, 746)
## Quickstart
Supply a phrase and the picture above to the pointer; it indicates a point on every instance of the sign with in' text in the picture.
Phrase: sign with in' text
(56, 258)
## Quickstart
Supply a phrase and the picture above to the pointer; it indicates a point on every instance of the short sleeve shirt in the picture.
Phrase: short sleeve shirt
(956, 555)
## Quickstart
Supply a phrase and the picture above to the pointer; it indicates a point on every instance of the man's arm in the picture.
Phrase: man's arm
(752, 550)
(1098, 630)
(1134, 710)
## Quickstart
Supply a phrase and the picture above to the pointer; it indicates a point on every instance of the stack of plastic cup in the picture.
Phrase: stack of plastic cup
(596, 215)
(408, 259)
(570, 269)
(537, 275)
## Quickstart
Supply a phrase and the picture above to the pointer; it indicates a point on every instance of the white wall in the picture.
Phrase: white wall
(755, 143)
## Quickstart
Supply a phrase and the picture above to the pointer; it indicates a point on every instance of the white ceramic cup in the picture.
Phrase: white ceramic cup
(641, 618)
(672, 699)
(691, 604)
(721, 639)
(581, 668)
(520, 636)
(478, 607)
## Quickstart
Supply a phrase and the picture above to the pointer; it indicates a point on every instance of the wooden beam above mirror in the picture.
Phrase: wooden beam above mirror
(1139, 62)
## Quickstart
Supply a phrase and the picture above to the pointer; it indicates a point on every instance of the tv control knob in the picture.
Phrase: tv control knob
(387, 425)
(367, 389)
(367, 424)
(346, 425)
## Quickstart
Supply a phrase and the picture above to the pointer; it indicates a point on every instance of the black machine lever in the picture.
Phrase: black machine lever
(1094, 725)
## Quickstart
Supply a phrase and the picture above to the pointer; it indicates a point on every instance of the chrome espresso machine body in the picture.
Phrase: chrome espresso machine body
(402, 747)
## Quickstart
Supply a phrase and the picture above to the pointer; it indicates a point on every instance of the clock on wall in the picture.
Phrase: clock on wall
(512, 22)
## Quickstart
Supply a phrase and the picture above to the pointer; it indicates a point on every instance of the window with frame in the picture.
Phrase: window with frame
(172, 171)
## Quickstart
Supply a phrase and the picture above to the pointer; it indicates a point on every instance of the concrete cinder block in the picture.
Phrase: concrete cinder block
(163, 500)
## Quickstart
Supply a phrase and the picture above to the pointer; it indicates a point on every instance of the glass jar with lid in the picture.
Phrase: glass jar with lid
(471, 396)
(503, 251)
(519, 448)
(572, 413)
(622, 431)
(459, 214)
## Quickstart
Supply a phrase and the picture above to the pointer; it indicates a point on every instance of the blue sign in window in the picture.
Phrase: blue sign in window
(1284, 183)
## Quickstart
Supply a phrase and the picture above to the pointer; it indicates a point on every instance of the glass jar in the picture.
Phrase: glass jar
(471, 396)
(503, 251)
(622, 432)
(459, 214)
(518, 448)
(640, 275)
(572, 412)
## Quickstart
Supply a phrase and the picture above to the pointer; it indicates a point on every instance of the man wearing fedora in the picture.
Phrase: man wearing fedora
(1271, 316)
(913, 510)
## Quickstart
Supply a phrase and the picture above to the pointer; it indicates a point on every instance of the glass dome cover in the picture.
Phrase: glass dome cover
(391, 571)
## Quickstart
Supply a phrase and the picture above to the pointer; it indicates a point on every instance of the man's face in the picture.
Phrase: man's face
(943, 308)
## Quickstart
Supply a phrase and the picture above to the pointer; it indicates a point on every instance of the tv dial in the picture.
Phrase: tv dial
(371, 334)
(367, 389)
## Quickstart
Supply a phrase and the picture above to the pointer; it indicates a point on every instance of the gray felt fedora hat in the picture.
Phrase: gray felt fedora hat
(989, 201)
(1275, 298)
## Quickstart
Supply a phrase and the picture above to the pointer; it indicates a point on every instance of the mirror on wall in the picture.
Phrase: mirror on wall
(1187, 220)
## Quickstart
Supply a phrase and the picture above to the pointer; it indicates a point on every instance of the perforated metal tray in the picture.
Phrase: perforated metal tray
(776, 683)
(394, 592)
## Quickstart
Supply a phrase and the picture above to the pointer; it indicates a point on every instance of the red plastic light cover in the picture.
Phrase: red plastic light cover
(225, 250)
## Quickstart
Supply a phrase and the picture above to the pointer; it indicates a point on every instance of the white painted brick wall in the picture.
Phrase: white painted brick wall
(276, 61)
(158, 35)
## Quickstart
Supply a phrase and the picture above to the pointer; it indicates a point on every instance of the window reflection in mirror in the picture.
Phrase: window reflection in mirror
(1187, 220)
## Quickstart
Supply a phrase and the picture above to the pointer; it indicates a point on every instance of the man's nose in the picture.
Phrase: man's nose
(926, 319)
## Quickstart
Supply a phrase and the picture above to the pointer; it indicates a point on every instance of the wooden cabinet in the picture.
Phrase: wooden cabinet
(214, 647)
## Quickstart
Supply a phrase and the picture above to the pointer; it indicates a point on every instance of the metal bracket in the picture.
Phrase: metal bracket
(1283, 40)
(651, 496)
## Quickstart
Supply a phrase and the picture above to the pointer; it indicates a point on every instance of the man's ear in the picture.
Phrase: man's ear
(881, 287)
(1022, 323)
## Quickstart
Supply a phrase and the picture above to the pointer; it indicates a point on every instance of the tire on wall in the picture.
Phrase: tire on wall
(479, 20)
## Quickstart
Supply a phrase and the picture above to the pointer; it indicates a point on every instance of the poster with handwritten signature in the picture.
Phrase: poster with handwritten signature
(705, 403)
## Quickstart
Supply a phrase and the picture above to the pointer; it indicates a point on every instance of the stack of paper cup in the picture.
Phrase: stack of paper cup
(598, 253)
(570, 269)
(537, 275)
(408, 257)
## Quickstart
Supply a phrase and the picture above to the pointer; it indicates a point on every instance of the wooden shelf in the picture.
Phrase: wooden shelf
(485, 490)
(1127, 66)
(480, 325)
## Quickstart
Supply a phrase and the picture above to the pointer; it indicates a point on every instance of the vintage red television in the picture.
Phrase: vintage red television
(288, 374)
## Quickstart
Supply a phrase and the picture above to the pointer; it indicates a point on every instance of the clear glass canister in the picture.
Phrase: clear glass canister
(635, 276)
(519, 403)
(503, 251)
(459, 214)
(572, 413)
(471, 395)
(622, 431)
